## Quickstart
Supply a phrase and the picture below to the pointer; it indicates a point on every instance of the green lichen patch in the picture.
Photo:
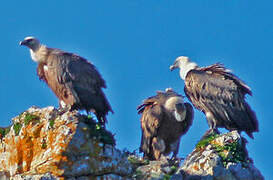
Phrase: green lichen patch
(232, 152)
(206, 141)
(51, 123)
(31, 118)
(17, 127)
(167, 177)
(137, 161)
(99, 132)
(90, 117)
(4, 131)
(173, 170)
(44, 146)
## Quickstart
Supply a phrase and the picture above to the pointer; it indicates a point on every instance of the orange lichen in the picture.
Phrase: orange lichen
(39, 148)
(196, 167)
(27, 147)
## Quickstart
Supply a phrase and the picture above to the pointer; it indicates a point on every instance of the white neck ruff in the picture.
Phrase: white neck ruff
(40, 54)
(184, 69)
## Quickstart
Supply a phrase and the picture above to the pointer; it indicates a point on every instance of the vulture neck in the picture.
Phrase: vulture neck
(171, 104)
(185, 68)
(39, 54)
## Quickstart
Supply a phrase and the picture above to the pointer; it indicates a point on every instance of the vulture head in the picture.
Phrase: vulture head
(31, 42)
(185, 65)
(175, 105)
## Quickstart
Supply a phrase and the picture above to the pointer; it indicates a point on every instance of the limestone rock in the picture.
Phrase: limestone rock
(161, 169)
(220, 157)
(217, 157)
(42, 144)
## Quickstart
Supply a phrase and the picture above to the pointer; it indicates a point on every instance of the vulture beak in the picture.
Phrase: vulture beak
(180, 108)
(172, 67)
(22, 42)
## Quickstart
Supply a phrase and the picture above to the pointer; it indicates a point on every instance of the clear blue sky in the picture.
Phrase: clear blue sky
(132, 43)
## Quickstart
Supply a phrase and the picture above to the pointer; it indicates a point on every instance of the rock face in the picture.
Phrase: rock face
(220, 157)
(44, 144)
(217, 157)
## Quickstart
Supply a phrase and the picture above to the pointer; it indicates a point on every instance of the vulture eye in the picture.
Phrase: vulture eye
(29, 41)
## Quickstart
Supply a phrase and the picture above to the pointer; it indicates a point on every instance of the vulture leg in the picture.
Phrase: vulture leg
(211, 121)
(212, 124)
(101, 119)
(158, 146)
(175, 152)
(63, 108)
(209, 133)
(147, 156)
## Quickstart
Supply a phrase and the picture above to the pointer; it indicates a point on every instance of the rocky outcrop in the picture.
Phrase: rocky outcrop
(41, 143)
(216, 157)
(45, 144)
(220, 157)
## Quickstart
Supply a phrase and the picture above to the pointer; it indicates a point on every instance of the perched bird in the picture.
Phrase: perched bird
(165, 118)
(219, 94)
(75, 81)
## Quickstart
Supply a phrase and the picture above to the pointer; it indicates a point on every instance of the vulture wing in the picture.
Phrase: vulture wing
(79, 70)
(152, 115)
(189, 117)
(214, 89)
(81, 79)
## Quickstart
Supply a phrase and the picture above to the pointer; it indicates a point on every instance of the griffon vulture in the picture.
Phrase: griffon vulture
(75, 81)
(219, 94)
(165, 118)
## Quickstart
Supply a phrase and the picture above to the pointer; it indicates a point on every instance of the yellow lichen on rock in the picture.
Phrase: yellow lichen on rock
(44, 141)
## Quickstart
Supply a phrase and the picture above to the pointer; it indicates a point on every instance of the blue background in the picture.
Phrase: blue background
(132, 43)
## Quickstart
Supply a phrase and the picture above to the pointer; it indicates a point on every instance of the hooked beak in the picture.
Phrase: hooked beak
(22, 42)
(180, 108)
(172, 67)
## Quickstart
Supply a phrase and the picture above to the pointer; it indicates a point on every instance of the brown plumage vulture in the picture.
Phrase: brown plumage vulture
(219, 94)
(75, 81)
(165, 118)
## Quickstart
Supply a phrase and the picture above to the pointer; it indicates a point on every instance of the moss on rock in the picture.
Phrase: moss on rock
(51, 123)
(206, 141)
(136, 161)
(30, 118)
(4, 131)
(233, 152)
(17, 128)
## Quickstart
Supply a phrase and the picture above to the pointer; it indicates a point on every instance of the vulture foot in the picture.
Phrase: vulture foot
(175, 160)
(62, 110)
(209, 133)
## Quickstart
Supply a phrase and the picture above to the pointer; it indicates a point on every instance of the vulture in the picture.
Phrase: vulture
(219, 94)
(75, 81)
(165, 118)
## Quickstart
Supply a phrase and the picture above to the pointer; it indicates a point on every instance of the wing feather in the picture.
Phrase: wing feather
(77, 69)
(82, 80)
(152, 113)
(189, 117)
(215, 89)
